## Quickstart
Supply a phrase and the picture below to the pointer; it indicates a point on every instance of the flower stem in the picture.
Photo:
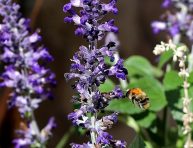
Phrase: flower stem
(32, 119)
(34, 124)
(93, 133)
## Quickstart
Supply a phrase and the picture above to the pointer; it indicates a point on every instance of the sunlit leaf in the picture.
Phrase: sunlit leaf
(172, 80)
(138, 65)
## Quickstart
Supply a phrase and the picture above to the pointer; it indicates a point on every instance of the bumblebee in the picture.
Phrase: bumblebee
(138, 97)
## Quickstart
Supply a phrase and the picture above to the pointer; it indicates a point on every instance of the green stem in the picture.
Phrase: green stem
(165, 121)
(62, 143)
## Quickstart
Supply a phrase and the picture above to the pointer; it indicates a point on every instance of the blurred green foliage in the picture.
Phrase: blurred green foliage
(161, 124)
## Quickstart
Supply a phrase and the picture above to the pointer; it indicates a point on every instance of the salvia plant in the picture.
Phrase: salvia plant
(25, 73)
(155, 101)
(90, 70)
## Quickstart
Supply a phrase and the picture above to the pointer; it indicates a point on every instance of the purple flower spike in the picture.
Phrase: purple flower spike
(23, 72)
(178, 21)
(90, 71)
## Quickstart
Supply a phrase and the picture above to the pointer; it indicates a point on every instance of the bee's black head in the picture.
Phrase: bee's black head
(127, 93)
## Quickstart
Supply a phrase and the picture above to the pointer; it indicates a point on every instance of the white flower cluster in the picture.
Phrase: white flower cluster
(179, 54)
(160, 48)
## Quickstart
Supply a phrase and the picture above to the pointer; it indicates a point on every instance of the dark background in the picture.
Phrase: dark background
(135, 35)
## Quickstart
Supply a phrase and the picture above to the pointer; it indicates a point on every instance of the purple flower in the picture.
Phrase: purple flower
(28, 136)
(85, 145)
(166, 3)
(90, 71)
(21, 57)
(178, 21)
(87, 21)
(24, 71)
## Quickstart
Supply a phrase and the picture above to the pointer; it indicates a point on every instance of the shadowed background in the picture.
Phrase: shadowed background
(135, 35)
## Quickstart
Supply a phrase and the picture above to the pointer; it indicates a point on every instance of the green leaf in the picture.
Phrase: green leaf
(137, 143)
(157, 72)
(174, 98)
(145, 119)
(107, 86)
(172, 80)
(175, 102)
(190, 78)
(164, 58)
(138, 65)
(123, 106)
(148, 144)
(154, 91)
(190, 92)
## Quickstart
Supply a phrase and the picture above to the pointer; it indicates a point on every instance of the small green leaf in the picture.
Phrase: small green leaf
(107, 86)
(145, 119)
(123, 106)
(137, 143)
(154, 91)
(164, 58)
(172, 80)
(138, 65)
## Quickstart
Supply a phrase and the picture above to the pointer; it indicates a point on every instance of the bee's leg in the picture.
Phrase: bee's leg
(133, 99)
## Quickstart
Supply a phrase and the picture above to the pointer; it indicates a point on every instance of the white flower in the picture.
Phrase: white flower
(175, 58)
(180, 51)
(159, 25)
(76, 19)
(159, 49)
(183, 73)
(171, 45)
(181, 63)
(164, 47)
(77, 3)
